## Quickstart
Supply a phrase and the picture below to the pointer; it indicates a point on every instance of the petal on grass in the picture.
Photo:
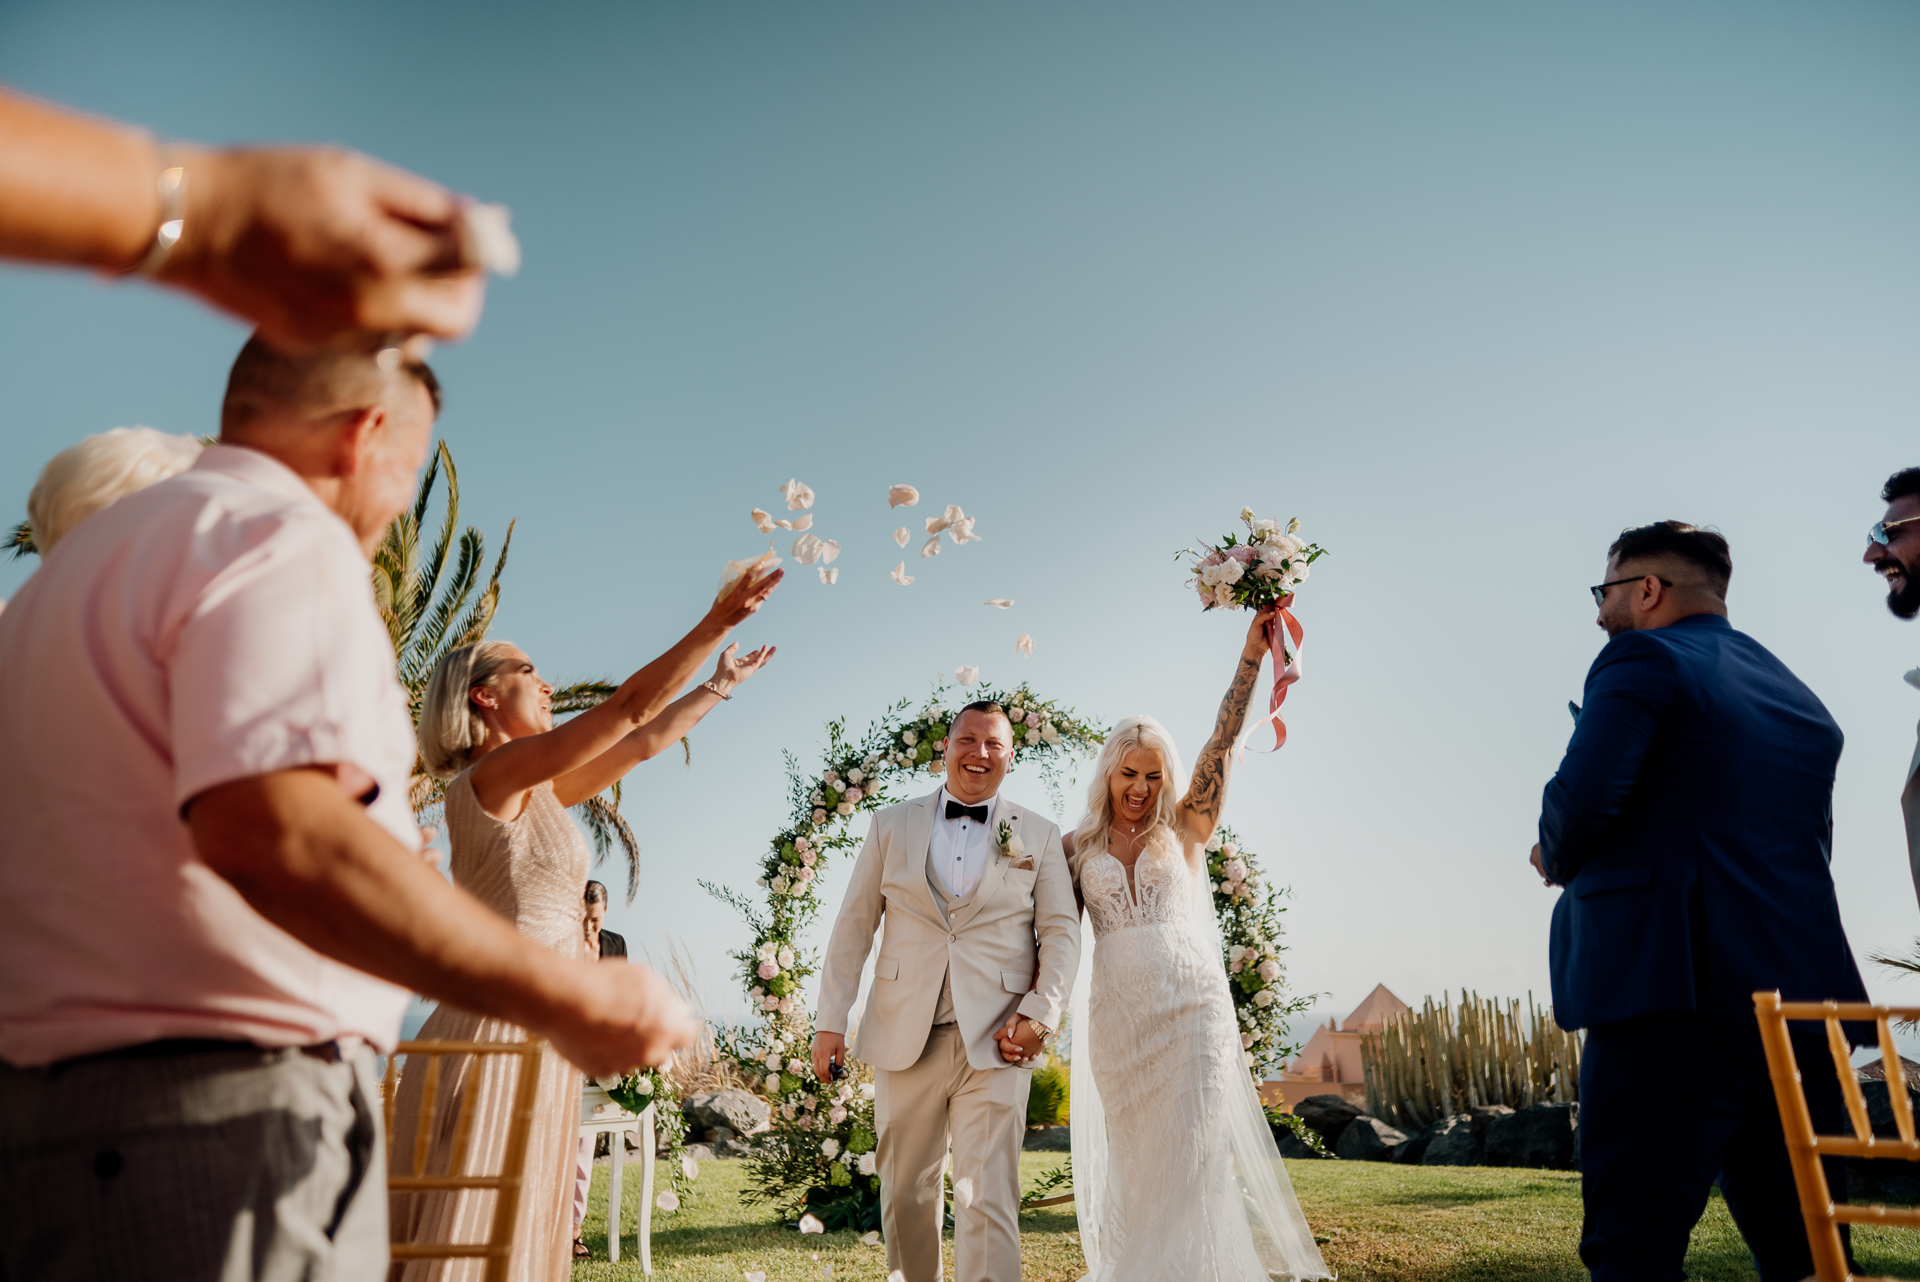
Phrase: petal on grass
(870, 1239)
(811, 1224)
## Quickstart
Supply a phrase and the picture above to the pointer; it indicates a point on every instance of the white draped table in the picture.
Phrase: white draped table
(600, 1114)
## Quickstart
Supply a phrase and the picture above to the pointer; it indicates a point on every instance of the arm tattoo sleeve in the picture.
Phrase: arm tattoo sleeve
(1209, 789)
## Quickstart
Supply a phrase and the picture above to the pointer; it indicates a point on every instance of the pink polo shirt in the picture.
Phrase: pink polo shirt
(217, 625)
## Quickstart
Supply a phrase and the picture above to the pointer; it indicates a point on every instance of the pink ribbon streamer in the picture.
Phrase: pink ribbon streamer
(1281, 629)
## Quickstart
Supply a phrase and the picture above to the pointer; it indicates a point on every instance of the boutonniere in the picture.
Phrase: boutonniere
(1011, 847)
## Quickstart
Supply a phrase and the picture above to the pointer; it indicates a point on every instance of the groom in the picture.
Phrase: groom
(982, 941)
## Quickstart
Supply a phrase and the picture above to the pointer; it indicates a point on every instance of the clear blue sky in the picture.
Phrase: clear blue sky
(1467, 288)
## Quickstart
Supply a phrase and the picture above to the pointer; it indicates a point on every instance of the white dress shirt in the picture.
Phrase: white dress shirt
(961, 848)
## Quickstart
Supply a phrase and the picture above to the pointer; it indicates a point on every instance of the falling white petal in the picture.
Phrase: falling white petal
(763, 521)
(899, 574)
(799, 497)
(931, 547)
(1024, 645)
(901, 535)
(829, 551)
(1001, 602)
(811, 1224)
(966, 674)
(870, 1239)
(935, 524)
(689, 1167)
(668, 1201)
(902, 496)
(806, 549)
(829, 576)
(797, 524)
(963, 1187)
(489, 231)
(961, 531)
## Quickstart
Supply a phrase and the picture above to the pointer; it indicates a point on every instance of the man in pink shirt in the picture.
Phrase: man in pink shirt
(214, 898)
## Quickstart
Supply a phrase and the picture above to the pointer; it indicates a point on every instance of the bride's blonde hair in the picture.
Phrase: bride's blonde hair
(1134, 732)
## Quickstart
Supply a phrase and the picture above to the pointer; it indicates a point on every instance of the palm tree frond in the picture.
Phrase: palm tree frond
(22, 541)
(581, 695)
(608, 828)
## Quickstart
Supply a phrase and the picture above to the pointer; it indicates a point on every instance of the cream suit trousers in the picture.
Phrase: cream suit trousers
(985, 1113)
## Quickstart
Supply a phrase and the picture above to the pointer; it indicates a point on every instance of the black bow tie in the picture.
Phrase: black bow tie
(976, 813)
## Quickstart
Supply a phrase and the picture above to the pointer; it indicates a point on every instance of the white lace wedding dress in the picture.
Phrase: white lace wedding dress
(1176, 1174)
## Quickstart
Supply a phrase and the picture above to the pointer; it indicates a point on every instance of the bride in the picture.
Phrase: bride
(1175, 1170)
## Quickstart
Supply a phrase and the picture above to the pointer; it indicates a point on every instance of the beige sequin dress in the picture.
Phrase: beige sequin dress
(533, 872)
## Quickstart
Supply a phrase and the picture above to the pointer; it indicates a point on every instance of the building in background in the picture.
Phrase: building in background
(1329, 1064)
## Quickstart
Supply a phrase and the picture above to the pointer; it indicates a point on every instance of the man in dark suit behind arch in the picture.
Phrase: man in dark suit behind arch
(1691, 823)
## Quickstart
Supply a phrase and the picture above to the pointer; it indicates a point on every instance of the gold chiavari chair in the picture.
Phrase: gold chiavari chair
(497, 1249)
(1805, 1149)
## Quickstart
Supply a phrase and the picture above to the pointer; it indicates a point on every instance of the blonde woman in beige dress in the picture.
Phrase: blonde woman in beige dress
(487, 722)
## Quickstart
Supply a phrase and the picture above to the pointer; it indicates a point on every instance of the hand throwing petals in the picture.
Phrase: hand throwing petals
(758, 567)
(799, 497)
(763, 521)
(1001, 603)
(901, 535)
(829, 577)
(899, 574)
(1024, 645)
(806, 549)
(966, 674)
(931, 547)
(902, 496)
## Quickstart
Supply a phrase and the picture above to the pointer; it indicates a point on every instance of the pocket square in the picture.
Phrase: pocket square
(1023, 865)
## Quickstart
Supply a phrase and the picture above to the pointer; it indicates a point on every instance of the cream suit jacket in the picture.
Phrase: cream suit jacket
(1015, 945)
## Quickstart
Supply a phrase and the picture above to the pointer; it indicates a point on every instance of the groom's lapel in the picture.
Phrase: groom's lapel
(1008, 813)
(919, 839)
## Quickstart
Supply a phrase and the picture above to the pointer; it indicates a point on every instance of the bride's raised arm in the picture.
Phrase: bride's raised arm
(1206, 797)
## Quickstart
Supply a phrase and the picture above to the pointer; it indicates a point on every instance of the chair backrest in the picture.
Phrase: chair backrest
(497, 1249)
(1805, 1149)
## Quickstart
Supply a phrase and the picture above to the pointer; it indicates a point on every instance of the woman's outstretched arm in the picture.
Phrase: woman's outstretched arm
(502, 778)
(1206, 797)
(661, 733)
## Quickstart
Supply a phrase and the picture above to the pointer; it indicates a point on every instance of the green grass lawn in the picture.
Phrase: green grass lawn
(1379, 1222)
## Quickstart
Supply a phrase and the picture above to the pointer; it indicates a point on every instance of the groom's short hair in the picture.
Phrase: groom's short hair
(1704, 550)
(987, 706)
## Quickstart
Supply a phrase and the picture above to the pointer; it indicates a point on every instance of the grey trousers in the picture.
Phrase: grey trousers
(193, 1160)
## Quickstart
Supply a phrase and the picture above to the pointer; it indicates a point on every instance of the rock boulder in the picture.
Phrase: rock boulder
(1454, 1143)
(1292, 1145)
(1368, 1139)
(1048, 1139)
(735, 1110)
(1540, 1135)
(1414, 1147)
(1327, 1114)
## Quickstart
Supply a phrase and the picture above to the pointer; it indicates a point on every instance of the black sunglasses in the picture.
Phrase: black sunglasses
(1599, 590)
(1879, 531)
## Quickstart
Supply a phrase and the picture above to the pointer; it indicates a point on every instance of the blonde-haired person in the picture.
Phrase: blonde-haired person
(486, 723)
(99, 471)
(1175, 1171)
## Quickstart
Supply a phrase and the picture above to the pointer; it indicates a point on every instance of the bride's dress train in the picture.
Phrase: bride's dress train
(1176, 1174)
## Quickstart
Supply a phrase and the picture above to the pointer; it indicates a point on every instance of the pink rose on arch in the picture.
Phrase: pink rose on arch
(807, 857)
(767, 970)
(836, 1115)
(805, 874)
(1243, 554)
(1033, 719)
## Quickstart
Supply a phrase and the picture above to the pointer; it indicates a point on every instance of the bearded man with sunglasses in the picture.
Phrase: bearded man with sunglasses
(1691, 824)
(1893, 550)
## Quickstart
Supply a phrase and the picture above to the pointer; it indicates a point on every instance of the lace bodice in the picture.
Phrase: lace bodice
(1162, 890)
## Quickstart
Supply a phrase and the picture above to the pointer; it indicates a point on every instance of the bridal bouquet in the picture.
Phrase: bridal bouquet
(1255, 573)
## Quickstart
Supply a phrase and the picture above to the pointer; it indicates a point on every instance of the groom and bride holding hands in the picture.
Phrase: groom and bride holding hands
(979, 901)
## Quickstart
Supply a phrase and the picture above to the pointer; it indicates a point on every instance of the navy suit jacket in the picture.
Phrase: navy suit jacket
(1691, 822)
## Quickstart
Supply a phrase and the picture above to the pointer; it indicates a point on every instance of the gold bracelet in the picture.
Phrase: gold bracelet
(173, 218)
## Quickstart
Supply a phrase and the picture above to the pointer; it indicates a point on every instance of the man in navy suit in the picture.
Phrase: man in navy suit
(1691, 824)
